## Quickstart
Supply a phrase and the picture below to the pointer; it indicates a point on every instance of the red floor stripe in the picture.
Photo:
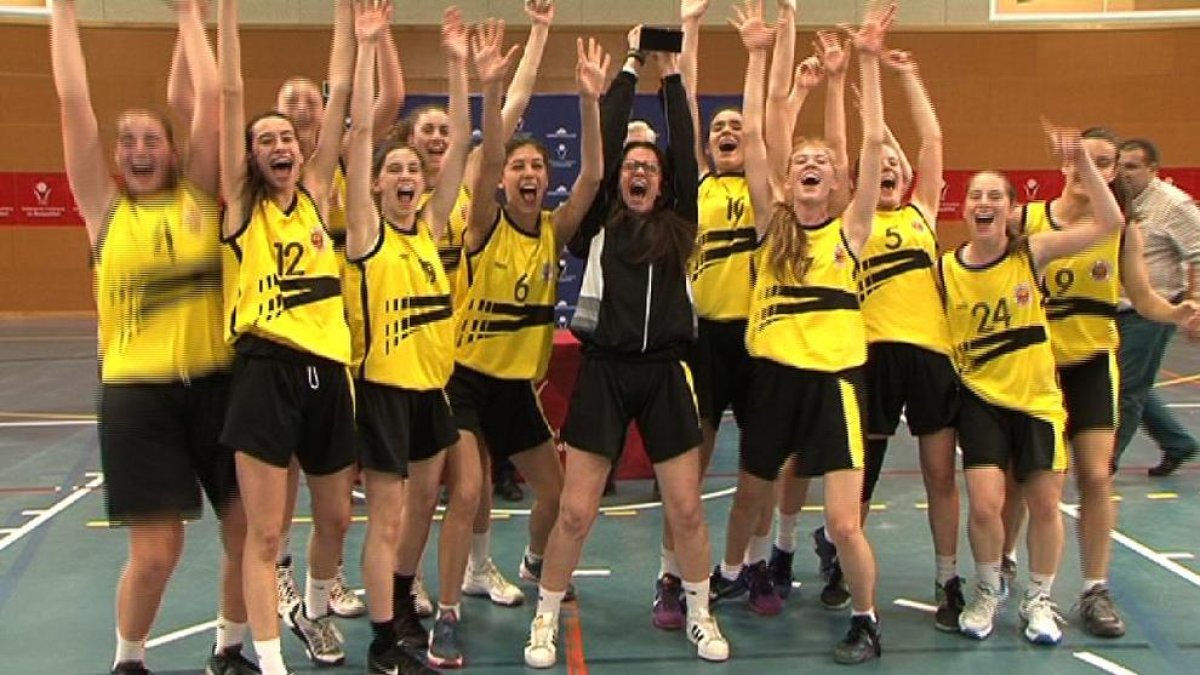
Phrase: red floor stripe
(576, 663)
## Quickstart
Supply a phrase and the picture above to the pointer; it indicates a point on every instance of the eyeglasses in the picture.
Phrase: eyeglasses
(632, 165)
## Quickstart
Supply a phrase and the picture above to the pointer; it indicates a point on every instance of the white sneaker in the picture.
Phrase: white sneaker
(421, 601)
(342, 601)
(1041, 620)
(322, 641)
(487, 580)
(542, 651)
(285, 590)
(978, 618)
(703, 631)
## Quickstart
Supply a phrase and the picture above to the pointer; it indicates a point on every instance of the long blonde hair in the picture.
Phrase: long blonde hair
(788, 251)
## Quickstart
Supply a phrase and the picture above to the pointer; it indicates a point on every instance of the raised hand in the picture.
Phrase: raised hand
(487, 41)
(899, 61)
(692, 9)
(869, 37)
(831, 50)
(1187, 317)
(748, 20)
(1065, 142)
(540, 12)
(591, 69)
(787, 4)
(808, 74)
(371, 18)
(665, 63)
(634, 38)
(455, 36)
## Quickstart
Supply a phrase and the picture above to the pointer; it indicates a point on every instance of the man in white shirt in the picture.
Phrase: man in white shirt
(1170, 225)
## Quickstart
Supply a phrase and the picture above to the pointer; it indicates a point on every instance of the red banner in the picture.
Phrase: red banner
(8, 200)
(39, 199)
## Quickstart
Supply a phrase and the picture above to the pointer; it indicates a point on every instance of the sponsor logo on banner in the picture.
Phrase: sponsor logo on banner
(562, 132)
(8, 199)
(560, 191)
(45, 199)
(561, 157)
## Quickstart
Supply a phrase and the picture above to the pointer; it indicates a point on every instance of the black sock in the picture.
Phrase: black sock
(402, 593)
(385, 636)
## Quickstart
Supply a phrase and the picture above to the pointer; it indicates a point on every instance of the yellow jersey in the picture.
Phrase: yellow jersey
(450, 245)
(288, 289)
(998, 327)
(398, 303)
(1083, 291)
(725, 245)
(160, 288)
(900, 300)
(504, 320)
(337, 213)
(812, 323)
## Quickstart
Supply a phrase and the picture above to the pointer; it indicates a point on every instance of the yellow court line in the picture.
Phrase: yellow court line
(621, 514)
(46, 416)
(1178, 380)
(1162, 495)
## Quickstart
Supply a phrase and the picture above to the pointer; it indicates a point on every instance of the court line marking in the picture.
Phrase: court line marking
(1182, 379)
(49, 423)
(1179, 555)
(1183, 405)
(47, 416)
(1162, 495)
(57, 508)
(913, 604)
(1142, 550)
(573, 625)
(1103, 663)
(180, 634)
(599, 572)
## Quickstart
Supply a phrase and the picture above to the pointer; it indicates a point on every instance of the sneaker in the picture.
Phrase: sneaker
(487, 580)
(131, 668)
(826, 552)
(836, 594)
(780, 566)
(285, 590)
(1167, 466)
(720, 588)
(321, 640)
(342, 601)
(861, 643)
(409, 631)
(763, 599)
(1041, 621)
(1008, 575)
(421, 601)
(531, 570)
(1099, 612)
(667, 613)
(950, 605)
(541, 650)
(979, 617)
(703, 632)
(230, 661)
(396, 661)
(445, 644)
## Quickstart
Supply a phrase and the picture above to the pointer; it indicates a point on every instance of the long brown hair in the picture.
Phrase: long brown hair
(256, 184)
(1014, 229)
(1121, 189)
(666, 238)
(788, 252)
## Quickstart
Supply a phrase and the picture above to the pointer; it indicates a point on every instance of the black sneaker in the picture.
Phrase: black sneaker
(397, 660)
(230, 661)
(826, 553)
(1165, 467)
(836, 594)
(780, 566)
(409, 631)
(861, 644)
(1099, 612)
(131, 668)
(950, 604)
(531, 571)
(720, 588)
(508, 489)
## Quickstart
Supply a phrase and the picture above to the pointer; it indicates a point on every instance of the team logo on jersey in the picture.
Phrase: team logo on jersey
(1101, 270)
(917, 224)
(547, 271)
(1022, 294)
(839, 256)
(317, 239)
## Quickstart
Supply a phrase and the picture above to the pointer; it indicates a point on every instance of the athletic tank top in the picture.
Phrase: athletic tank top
(159, 288)
(288, 289)
(337, 213)
(398, 302)
(450, 244)
(725, 244)
(900, 301)
(998, 327)
(1083, 292)
(814, 323)
(504, 321)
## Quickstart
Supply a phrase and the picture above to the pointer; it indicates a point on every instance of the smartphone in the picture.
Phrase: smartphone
(654, 39)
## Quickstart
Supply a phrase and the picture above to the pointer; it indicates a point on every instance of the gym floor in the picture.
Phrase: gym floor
(59, 561)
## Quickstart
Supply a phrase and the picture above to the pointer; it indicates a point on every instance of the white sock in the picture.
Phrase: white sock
(130, 650)
(667, 563)
(1011, 556)
(455, 609)
(229, 634)
(947, 568)
(1039, 584)
(696, 593)
(730, 572)
(481, 549)
(270, 657)
(825, 535)
(758, 549)
(988, 574)
(316, 596)
(550, 602)
(785, 536)
(1089, 584)
(869, 613)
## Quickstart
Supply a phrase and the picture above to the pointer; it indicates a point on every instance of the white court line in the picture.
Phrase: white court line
(50, 423)
(43, 517)
(180, 634)
(33, 512)
(1183, 405)
(1142, 550)
(913, 604)
(1179, 556)
(1103, 663)
(592, 573)
(603, 509)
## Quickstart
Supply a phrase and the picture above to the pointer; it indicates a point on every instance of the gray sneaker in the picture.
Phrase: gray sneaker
(1099, 612)
(445, 643)
(321, 639)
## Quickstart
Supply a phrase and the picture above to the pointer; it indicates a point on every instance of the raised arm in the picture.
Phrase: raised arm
(835, 59)
(233, 118)
(756, 38)
(889, 139)
(318, 172)
(681, 138)
(590, 72)
(1136, 281)
(390, 100)
(927, 193)
(204, 145)
(691, 13)
(371, 21)
(778, 128)
(868, 41)
(445, 191)
(181, 98)
(87, 169)
(1107, 218)
(491, 65)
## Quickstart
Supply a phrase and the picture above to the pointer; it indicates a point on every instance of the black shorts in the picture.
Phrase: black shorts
(159, 446)
(506, 414)
(610, 393)
(279, 409)
(1089, 390)
(919, 381)
(721, 369)
(994, 436)
(815, 415)
(397, 426)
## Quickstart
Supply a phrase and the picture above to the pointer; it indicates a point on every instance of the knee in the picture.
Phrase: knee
(1093, 480)
(263, 542)
(153, 564)
(465, 494)
(575, 519)
(688, 517)
(843, 530)
(986, 510)
(332, 523)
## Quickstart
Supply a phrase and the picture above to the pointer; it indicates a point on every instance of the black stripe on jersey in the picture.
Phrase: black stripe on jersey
(364, 299)
(812, 299)
(300, 291)
(899, 261)
(401, 329)
(149, 295)
(1062, 308)
(736, 234)
(1002, 343)
(523, 316)
(714, 255)
(451, 257)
